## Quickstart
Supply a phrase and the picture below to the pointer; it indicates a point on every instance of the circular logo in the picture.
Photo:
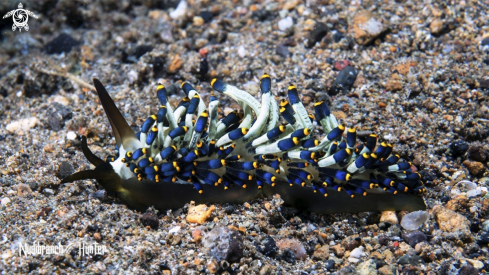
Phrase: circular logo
(20, 18)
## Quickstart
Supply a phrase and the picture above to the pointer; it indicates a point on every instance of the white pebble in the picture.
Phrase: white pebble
(475, 263)
(283, 13)
(5, 201)
(414, 220)
(175, 229)
(353, 260)
(180, 10)
(473, 209)
(356, 254)
(474, 192)
(71, 135)
(395, 20)
(63, 100)
(7, 254)
(241, 51)
(48, 191)
(389, 136)
(119, 39)
(455, 192)
(21, 126)
(132, 76)
(373, 27)
(285, 23)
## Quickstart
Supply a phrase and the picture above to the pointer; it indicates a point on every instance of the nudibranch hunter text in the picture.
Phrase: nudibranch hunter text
(188, 154)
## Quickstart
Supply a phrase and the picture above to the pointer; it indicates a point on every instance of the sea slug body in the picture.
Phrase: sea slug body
(187, 153)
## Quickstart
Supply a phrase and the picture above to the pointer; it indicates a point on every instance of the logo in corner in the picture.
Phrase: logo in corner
(20, 17)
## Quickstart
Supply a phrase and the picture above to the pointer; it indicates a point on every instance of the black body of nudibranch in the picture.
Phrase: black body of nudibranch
(187, 153)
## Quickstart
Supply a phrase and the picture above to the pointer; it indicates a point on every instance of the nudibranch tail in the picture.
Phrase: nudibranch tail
(187, 153)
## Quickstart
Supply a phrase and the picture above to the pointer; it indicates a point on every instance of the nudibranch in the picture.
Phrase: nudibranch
(188, 154)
